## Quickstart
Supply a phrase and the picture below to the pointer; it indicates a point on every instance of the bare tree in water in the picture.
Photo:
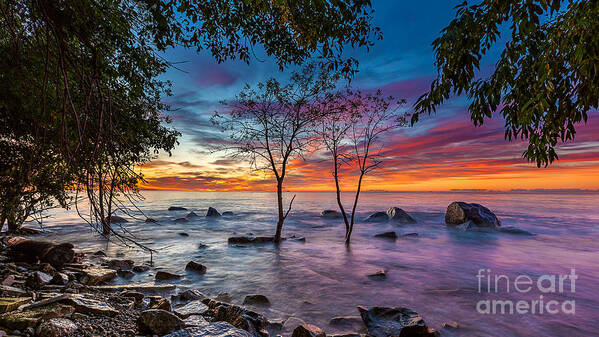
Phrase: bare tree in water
(352, 135)
(273, 124)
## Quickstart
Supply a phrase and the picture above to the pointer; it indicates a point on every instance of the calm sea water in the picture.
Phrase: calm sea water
(434, 273)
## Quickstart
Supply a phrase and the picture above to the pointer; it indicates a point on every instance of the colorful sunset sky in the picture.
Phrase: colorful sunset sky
(443, 152)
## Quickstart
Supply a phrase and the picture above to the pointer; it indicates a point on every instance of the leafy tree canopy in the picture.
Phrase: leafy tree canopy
(546, 79)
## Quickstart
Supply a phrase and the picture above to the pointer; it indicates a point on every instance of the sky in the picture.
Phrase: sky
(443, 152)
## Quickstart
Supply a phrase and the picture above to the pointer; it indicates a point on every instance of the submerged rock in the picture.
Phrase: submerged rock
(451, 325)
(181, 220)
(220, 329)
(151, 220)
(514, 230)
(126, 274)
(164, 275)
(212, 212)
(158, 322)
(308, 330)
(55, 327)
(224, 297)
(387, 235)
(192, 214)
(399, 215)
(348, 323)
(177, 208)
(141, 268)
(378, 275)
(189, 295)
(330, 214)
(251, 239)
(120, 264)
(256, 300)
(228, 213)
(196, 267)
(377, 217)
(116, 219)
(460, 212)
(384, 322)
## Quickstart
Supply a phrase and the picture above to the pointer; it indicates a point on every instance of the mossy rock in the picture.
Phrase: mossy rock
(20, 320)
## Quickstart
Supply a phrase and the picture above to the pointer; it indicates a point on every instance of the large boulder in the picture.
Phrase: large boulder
(212, 212)
(377, 217)
(158, 322)
(34, 251)
(250, 321)
(384, 322)
(196, 267)
(165, 275)
(330, 214)
(399, 215)
(460, 212)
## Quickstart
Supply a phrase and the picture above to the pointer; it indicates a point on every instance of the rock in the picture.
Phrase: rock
(137, 296)
(241, 318)
(87, 305)
(219, 329)
(460, 212)
(8, 281)
(177, 208)
(20, 320)
(387, 235)
(151, 220)
(399, 215)
(227, 213)
(164, 275)
(149, 287)
(196, 267)
(212, 212)
(116, 219)
(202, 245)
(330, 214)
(99, 253)
(256, 300)
(126, 274)
(224, 297)
(38, 279)
(33, 252)
(191, 214)
(409, 234)
(183, 234)
(181, 220)
(308, 330)
(60, 279)
(514, 230)
(377, 217)
(378, 275)
(141, 268)
(120, 264)
(158, 322)
(189, 295)
(383, 322)
(348, 323)
(159, 302)
(47, 268)
(94, 276)
(12, 303)
(55, 327)
(451, 325)
(251, 239)
(195, 307)
(11, 291)
(292, 323)
(195, 321)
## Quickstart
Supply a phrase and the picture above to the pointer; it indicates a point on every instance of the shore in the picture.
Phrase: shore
(52, 290)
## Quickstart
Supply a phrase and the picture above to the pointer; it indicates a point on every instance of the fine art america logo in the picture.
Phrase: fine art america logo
(491, 283)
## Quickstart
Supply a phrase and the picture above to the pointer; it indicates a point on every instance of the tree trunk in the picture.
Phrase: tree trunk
(338, 190)
(281, 214)
(353, 212)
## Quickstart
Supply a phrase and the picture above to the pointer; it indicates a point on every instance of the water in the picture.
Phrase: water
(434, 274)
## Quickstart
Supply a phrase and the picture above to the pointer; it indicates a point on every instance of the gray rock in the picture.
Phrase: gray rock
(177, 208)
(399, 215)
(196, 267)
(308, 330)
(219, 329)
(256, 300)
(195, 321)
(158, 322)
(377, 217)
(55, 327)
(164, 275)
(212, 212)
(330, 214)
(387, 235)
(460, 212)
(86, 305)
(195, 307)
(384, 322)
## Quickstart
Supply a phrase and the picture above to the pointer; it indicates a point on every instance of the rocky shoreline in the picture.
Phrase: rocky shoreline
(52, 290)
